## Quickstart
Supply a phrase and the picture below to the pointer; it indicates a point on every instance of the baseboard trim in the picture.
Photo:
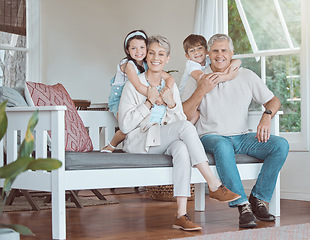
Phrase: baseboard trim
(288, 195)
(295, 196)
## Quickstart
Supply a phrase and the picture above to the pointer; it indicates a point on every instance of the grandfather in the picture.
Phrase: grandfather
(223, 130)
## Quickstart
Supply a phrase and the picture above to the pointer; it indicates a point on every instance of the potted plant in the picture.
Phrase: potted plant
(24, 162)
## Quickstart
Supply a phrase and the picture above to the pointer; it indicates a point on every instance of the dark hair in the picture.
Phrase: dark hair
(194, 40)
(127, 43)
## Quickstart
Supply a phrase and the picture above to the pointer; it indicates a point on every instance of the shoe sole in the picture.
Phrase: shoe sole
(226, 201)
(186, 229)
(251, 224)
(265, 219)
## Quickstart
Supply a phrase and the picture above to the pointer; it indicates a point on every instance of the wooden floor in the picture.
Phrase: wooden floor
(138, 217)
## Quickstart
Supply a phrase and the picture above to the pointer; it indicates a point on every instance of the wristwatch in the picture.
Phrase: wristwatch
(267, 111)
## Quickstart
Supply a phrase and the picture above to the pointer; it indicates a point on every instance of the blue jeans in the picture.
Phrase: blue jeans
(224, 148)
(115, 97)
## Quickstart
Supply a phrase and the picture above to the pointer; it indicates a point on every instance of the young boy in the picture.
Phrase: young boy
(196, 50)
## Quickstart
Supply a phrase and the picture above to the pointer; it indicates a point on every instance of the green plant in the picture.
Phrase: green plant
(23, 163)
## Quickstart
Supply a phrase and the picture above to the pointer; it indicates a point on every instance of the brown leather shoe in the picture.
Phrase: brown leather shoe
(223, 194)
(185, 224)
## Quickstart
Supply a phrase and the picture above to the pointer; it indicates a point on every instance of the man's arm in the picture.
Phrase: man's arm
(204, 85)
(263, 128)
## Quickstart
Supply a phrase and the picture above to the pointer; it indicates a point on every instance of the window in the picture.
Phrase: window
(267, 37)
(19, 32)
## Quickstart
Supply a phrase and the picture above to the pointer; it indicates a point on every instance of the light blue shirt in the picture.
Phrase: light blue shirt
(158, 111)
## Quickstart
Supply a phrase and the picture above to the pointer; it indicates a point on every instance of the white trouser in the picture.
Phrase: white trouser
(181, 141)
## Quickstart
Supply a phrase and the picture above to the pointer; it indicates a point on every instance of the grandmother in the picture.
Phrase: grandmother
(163, 129)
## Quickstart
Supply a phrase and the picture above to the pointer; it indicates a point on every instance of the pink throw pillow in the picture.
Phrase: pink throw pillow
(76, 136)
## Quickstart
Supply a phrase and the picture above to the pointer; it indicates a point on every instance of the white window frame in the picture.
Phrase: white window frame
(32, 49)
(299, 142)
(33, 70)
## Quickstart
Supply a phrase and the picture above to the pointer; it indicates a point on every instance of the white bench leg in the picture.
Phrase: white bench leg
(58, 207)
(200, 196)
(274, 205)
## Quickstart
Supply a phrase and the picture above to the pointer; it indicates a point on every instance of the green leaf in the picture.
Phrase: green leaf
(28, 143)
(33, 121)
(18, 228)
(13, 169)
(26, 148)
(3, 119)
(7, 186)
(47, 164)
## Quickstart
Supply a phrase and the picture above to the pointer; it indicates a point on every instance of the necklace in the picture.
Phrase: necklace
(146, 78)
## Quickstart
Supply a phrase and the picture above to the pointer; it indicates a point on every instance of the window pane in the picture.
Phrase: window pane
(12, 40)
(283, 78)
(13, 68)
(265, 24)
(292, 13)
(236, 30)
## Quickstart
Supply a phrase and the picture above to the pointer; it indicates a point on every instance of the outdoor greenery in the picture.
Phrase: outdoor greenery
(282, 72)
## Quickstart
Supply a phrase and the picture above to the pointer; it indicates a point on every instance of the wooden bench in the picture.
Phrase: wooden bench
(93, 173)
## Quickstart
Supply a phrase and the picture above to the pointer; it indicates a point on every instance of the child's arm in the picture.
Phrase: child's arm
(197, 74)
(168, 78)
(134, 79)
(231, 72)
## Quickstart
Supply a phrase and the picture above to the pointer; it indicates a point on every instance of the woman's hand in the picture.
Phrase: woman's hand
(152, 94)
(167, 96)
(159, 100)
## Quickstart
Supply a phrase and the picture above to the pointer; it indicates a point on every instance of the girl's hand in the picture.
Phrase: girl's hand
(152, 94)
(167, 96)
(159, 100)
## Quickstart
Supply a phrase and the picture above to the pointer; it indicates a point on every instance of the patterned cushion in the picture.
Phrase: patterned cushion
(76, 136)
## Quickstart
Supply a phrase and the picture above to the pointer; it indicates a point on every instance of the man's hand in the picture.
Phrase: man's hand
(207, 82)
(263, 128)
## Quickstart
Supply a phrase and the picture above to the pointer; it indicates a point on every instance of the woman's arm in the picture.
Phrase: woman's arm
(174, 110)
(133, 107)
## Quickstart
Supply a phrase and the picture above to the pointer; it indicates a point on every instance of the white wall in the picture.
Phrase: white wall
(82, 44)
(82, 40)
(295, 176)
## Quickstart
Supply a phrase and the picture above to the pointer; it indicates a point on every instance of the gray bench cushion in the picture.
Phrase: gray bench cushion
(98, 160)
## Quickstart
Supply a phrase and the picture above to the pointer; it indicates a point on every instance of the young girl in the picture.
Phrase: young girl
(129, 69)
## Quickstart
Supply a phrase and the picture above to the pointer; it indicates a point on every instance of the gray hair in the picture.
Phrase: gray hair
(220, 37)
(162, 41)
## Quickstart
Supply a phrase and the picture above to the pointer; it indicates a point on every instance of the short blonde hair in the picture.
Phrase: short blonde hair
(194, 40)
(162, 41)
